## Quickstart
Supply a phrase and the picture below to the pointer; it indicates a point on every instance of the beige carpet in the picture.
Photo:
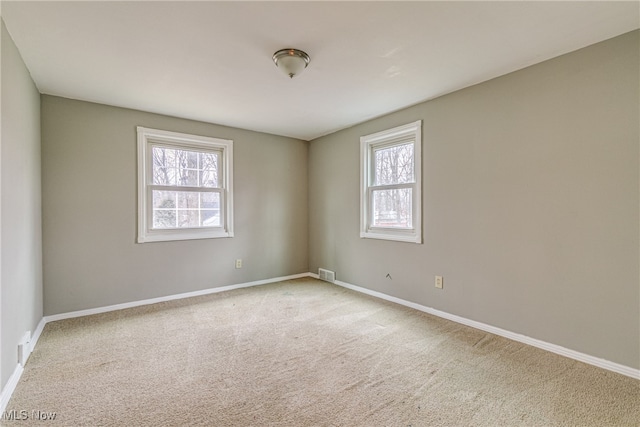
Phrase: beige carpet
(305, 353)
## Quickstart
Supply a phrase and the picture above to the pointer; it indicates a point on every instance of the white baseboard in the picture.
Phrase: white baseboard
(36, 334)
(139, 303)
(9, 388)
(572, 354)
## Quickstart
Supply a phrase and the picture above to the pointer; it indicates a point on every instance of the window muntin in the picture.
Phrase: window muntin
(183, 167)
(392, 208)
(185, 209)
(197, 174)
(185, 189)
(390, 191)
(393, 164)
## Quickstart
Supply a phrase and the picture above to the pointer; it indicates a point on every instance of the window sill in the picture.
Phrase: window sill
(398, 237)
(168, 236)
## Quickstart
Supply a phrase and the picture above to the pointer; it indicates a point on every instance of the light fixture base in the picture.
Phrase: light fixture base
(291, 61)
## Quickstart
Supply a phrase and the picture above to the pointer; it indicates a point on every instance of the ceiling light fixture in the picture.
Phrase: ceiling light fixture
(291, 61)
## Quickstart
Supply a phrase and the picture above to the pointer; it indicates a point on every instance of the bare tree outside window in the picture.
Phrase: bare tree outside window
(192, 207)
(393, 207)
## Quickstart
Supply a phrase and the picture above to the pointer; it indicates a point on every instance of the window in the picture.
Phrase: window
(185, 186)
(390, 191)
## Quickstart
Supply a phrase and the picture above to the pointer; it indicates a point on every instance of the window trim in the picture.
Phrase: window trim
(410, 132)
(146, 138)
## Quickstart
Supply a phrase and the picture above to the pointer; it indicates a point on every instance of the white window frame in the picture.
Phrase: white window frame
(409, 133)
(147, 138)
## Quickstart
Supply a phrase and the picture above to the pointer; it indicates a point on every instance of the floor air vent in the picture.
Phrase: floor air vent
(327, 275)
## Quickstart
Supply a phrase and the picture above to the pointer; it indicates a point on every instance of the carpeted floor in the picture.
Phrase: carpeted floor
(304, 353)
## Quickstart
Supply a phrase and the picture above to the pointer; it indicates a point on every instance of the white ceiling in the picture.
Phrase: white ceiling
(211, 61)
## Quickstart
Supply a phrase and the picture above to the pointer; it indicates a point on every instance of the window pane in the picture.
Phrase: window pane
(211, 201)
(164, 166)
(164, 157)
(188, 178)
(164, 209)
(192, 159)
(188, 199)
(164, 175)
(164, 199)
(209, 176)
(164, 218)
(188, 218)
(210, 218)
(393, 165)
(392, 208)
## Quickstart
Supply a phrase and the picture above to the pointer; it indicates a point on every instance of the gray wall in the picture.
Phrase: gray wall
(530, 202)
(531, 206)
(89, 211)
(21, 237)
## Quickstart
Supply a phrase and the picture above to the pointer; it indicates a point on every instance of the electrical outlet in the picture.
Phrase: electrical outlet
(439, 282)
(238, 263)
(24, 348)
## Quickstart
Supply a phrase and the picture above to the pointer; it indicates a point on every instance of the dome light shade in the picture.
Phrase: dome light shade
(291, 61)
